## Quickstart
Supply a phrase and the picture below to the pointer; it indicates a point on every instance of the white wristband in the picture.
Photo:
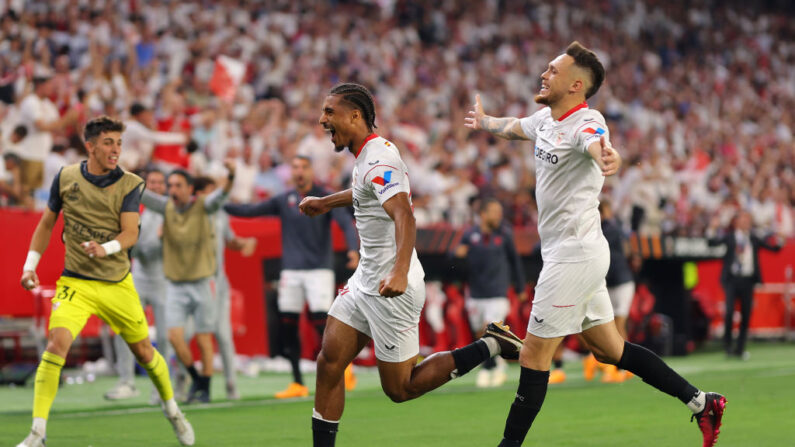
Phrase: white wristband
(31, 261)
(111, 247)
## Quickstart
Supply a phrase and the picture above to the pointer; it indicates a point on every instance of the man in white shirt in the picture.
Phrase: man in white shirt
(40, 116)
(139, 139)
(573, 154)
(383, 299)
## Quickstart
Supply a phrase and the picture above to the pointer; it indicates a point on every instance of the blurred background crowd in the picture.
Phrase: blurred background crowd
(699, 96)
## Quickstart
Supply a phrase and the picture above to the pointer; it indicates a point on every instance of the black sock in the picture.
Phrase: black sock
(529, 398)
(194, 375)
(654, 371)
(292, 344)
(490, 363)
(470, 356)
(324, 433)
(558, 364)
(205, 383)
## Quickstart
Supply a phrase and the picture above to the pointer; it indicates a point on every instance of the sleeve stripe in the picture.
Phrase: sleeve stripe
(376, 166)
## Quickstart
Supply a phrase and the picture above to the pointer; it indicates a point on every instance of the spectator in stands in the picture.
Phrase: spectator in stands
(39, 115)
(11, 191)
(739, 275)
(139, 139)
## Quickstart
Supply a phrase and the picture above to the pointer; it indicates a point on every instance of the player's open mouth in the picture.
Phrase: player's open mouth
(332, 132)
(113, 159)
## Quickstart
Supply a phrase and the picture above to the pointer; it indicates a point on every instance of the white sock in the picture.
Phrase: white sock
(39, 426)
(494, 346)
(170, 407)
(318, 416)
(698, 402)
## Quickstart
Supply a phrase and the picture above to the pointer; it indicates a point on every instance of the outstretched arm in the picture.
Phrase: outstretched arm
(314, 206)
(154, 201)
(508, 128)
(605, 156)
(265, 208)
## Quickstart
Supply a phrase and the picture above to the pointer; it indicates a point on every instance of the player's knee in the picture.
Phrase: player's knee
(59, 342)
(328, 362)
(397, 395)
(143, 351)
(175, 337)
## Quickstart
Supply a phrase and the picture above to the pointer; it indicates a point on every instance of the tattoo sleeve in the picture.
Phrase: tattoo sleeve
(508, 128)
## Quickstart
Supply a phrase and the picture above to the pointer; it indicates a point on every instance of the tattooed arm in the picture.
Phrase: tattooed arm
(508, 128)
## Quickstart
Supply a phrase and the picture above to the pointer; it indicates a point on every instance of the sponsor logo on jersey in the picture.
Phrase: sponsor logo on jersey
(73, 193)
(387, 187)
(594, 131)
(545, 156)
(383, 180)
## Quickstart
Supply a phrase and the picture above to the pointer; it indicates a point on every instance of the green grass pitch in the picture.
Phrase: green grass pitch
(760, 411)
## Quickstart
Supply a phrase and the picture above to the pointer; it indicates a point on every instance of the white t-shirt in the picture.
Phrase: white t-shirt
(38, 143)
(568, 182)
(378, 175)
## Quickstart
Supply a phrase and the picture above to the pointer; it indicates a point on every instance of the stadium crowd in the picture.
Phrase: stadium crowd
(698, 97)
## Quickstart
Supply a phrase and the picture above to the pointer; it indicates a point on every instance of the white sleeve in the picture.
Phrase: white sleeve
(27, 111)
(590, 130)
(530, 124)
(387, 179)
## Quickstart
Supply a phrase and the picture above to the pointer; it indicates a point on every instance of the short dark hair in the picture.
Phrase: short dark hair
(136, 109)
(358, 97)
(587, 60)
(184, 174)
(199, 183)
(97, 126)
(484, 203)
(12, 157)
(21, 131)
(305, 158)
(146, 173)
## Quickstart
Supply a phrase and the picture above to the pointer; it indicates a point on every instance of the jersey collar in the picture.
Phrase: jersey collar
(582, 105)
(366, 140)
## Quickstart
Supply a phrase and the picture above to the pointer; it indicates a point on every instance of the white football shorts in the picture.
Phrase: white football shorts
(621, 296)
(570, 298)
(297, 287)
(392, 323)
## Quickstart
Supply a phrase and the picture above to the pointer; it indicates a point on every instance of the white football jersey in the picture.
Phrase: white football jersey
(568, 183)
(378, 175)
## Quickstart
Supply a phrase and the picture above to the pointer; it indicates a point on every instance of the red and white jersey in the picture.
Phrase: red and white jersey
(568, 183)
(378, 175)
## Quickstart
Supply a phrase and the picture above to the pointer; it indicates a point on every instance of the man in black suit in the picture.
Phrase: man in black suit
(740, 274)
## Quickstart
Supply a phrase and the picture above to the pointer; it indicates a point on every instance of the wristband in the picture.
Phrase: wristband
(31, 261)
(111, 247)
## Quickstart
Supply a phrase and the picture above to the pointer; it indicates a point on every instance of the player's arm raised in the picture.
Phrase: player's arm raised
(315, 206)
(38, 243)
(124, 240)
(399, 209)
(605, 156)
(508, 128)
